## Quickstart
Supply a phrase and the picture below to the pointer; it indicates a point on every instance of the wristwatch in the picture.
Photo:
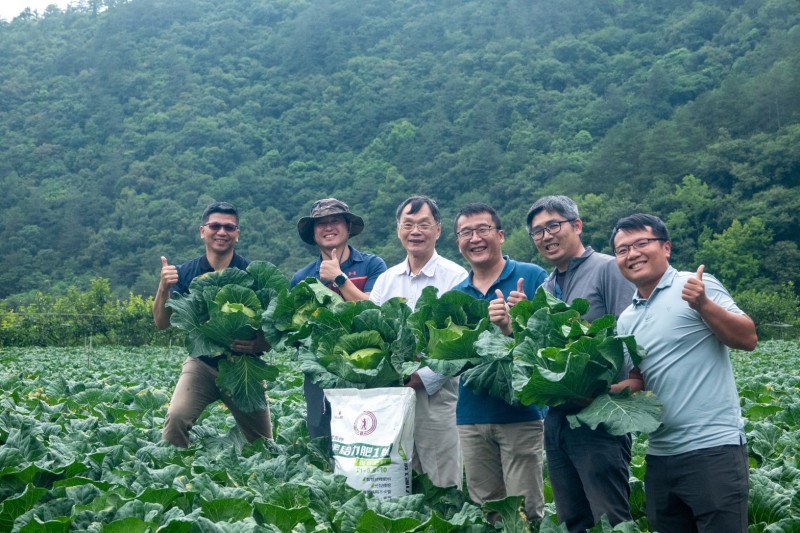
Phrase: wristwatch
(340, 280)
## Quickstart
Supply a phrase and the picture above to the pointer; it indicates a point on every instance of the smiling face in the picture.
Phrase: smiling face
(331, 232)
(482, 251)
(418, 243)
(221, 241)
(643, 267)
(558, 247)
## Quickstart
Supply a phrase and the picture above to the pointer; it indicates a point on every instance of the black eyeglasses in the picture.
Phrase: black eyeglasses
(466, 234)
(552, 228)
(641, 244)
(216, 226)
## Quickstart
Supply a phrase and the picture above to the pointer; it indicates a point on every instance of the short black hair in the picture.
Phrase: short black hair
(416, 203)
(476, 209)
(640, 222)
(563, 205)
(225, 208)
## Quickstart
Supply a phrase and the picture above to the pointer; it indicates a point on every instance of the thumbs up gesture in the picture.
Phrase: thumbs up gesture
(498, 313)
(694, 291)
(518, 295)
(330, 268)
(169, 274)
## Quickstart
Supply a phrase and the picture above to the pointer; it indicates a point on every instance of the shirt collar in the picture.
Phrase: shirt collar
(428, 270)
(573, 264)
(666, 281)
(507, 270)
(355, 257)
(205, 266)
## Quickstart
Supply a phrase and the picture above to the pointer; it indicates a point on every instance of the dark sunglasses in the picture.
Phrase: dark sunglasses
(216, 226)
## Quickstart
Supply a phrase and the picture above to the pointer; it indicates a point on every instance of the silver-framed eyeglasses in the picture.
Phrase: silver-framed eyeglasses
(552, 228)
(409, 226)
(641, 244)
(466, 234)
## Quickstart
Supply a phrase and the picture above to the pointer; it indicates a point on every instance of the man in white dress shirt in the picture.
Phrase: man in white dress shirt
(437, 452)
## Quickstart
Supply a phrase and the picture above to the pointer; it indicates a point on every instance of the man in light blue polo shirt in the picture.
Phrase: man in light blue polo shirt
(437, 452)
(697, 465)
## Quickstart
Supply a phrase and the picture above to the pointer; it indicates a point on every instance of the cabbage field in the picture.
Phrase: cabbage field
(80, 450)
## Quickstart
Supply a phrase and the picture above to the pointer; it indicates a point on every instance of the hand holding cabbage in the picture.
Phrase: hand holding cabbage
(553, 357)
(223, 311)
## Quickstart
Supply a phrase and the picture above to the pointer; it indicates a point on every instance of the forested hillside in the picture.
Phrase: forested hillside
(120, 121)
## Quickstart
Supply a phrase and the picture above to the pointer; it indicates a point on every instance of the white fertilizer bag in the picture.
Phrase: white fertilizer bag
(372, 435)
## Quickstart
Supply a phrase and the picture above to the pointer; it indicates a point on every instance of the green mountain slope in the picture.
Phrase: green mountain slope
(120, 121)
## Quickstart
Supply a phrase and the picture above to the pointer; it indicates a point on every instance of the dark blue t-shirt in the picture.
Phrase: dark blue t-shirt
(482, 408)
(196, 268)
(199, 266)
(362, 269)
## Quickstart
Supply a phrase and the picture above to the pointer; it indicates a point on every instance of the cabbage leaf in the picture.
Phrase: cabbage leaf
(225, 306)
(554, 357)
(286, 318)
(447, 329)
(360, 345)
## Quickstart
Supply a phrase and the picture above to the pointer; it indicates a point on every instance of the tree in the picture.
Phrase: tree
(693, 205)
(734, 255)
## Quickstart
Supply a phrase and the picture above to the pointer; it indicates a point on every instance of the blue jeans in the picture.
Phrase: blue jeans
(589, 472)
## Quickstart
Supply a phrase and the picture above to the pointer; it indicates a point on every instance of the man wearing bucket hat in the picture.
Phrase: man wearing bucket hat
(343, 269)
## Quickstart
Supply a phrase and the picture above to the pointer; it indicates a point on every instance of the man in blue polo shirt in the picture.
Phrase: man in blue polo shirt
(502, 444)
(343, 269)
(197, 387)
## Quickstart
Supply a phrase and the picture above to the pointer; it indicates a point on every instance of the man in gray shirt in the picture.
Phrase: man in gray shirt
(588, 468)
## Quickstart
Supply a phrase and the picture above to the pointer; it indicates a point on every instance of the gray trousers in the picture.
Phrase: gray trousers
(505, 460)
(437, 450)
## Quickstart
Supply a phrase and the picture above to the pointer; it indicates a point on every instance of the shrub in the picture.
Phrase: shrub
(772, 311)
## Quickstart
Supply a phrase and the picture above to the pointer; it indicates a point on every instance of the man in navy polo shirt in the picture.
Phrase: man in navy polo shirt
(343, 269)
(197, 387)
(502, 444)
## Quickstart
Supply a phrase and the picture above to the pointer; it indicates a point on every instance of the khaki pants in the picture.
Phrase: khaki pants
(437, 451)
(505, 460)
(195, 390)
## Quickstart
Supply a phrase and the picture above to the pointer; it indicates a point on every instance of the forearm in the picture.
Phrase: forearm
(731, 329)
(161, 313)
(351, 293)
(634, 384)
(415, 382)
